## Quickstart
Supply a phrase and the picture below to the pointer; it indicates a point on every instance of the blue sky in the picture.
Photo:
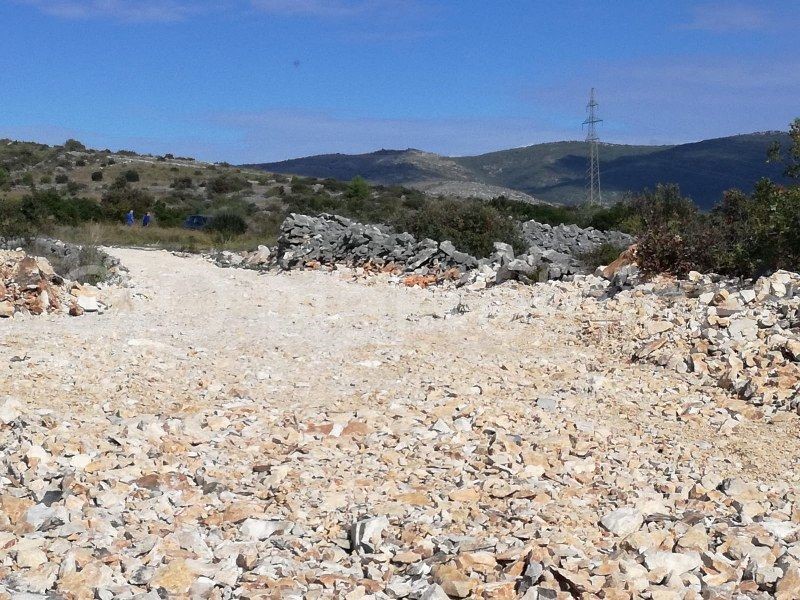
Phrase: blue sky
(262, 80)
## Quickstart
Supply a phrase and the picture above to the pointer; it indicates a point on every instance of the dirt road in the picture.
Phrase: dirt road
(217, 432)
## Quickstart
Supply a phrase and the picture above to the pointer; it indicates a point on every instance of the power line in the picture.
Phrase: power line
(593, 193)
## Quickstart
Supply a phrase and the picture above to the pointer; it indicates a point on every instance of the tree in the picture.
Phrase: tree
(790, 156)
(74, 146)
(358, 189)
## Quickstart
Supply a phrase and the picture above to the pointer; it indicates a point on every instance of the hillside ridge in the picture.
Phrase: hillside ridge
(554, 172)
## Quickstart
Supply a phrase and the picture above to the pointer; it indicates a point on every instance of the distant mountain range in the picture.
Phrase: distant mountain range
(556, 172)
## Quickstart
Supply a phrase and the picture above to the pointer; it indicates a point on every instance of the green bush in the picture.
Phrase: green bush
(182, 183)
(131, 175)
(167, 215)
(227, 183)
(601, 256)
(38, 211)
(5, 178)
(789, 156)
(615, 217)
(227, 225)
(744, 235)
(45, 180)
(13, 222)
(74, 146)
(358, 189)
(62, 178)
(120, 199)
(472, 225)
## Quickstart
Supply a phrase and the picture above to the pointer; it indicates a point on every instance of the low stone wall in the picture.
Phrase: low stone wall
(571, 239)
(331, 239)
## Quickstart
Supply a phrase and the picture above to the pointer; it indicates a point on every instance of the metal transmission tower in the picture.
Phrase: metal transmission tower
(593, 196)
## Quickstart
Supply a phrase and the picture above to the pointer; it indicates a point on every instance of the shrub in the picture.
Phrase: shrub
(131, 175)
(80, 163)
(120, 199)
(13, 223)
(227, 225)
(744, 235)
(670, 228)
(97, 176)
(62, 178)
(182, 183)
(789, 156)
(40, 209)
(601, 256)
(169, 216)
(74, 146)
(5, 178)
(227, 183)
(300, 187)
(27, 178)
(357, 190)
(45, 180)
(759, 232)
(472, 225)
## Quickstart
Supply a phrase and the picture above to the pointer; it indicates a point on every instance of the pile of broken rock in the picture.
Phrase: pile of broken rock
(553, 252)
(257, 259)
(30, 286)
(744, 337)
(571, 239)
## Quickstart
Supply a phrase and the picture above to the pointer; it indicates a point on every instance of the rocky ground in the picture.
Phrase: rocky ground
(223, 433)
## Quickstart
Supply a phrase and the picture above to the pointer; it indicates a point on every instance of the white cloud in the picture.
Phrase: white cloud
(727, 17)
(133, 11)
(334, 8)
(121, 10)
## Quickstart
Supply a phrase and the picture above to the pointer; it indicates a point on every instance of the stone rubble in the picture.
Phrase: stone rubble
(742, 336)
(571, 239)
(108, 268)
(30, 286)
(553, 253)
(331, 435)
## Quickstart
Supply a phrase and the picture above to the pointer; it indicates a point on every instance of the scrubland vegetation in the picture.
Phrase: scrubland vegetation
(83, 195)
